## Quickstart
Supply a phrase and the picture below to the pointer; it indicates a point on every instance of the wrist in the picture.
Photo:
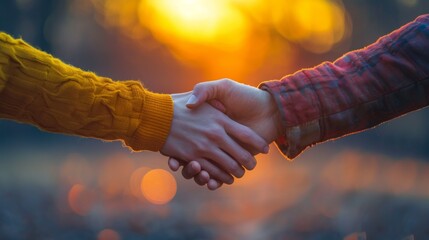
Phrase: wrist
(273, 114)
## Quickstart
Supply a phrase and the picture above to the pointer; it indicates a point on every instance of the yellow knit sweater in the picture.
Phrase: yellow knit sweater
(39, 89)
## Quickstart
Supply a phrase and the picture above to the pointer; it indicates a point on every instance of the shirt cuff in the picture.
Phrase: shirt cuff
(298, 135)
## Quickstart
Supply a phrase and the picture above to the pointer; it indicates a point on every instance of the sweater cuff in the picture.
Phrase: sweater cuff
(155, 124)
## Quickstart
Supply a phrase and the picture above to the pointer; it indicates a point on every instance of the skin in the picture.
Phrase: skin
(247, 105)
(209, 138)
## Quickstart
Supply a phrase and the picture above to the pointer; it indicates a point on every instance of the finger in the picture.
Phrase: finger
(191, 169)
(173, 164)
(215, 171)
(206, 91)
(246, 135)
(226, 162)
(202, 178)
(213, 184)
(238, 153)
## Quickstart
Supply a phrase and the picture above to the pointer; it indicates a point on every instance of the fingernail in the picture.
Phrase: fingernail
(192, 100)
(266, 149)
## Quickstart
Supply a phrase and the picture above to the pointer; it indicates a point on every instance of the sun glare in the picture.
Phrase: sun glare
(196, 21)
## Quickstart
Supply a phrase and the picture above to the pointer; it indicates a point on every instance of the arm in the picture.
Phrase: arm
(39, 89)
(358, 91)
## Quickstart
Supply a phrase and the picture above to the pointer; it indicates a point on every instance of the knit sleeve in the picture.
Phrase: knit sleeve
(39, 89)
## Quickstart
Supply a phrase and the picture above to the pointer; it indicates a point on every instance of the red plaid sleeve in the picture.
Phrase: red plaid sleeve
(358, 91)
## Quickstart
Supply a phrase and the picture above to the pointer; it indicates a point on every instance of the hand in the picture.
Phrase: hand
(247, 105)
(209, 137)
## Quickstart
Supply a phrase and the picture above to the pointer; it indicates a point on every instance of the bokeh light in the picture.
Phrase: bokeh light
(355, 236)
(108, 234)
(158, 186)
(315, 24)
(80, 199)
(136, 180)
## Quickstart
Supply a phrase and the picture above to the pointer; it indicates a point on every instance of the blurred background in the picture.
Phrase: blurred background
(372, 185)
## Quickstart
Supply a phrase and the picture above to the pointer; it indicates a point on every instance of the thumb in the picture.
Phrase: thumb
(204, 92)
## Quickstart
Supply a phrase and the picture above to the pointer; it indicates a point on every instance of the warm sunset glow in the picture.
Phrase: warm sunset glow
(80, 199)
(211, 34)
(195, 21)
(158, 186)
(108, 234)
(229, 37)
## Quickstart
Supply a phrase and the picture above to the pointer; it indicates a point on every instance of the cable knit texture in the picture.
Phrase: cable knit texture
(39, 89)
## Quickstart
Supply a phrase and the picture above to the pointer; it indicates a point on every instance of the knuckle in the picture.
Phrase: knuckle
(226, 81)
(198, 86)
(245, 133)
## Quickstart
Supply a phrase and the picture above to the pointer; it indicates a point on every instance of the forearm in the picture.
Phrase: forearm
(358, 91)
(38, 89)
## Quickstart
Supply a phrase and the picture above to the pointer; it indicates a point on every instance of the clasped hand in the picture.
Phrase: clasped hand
(218, 128)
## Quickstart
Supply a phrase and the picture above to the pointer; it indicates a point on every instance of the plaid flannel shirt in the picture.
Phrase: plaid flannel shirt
(358, 91)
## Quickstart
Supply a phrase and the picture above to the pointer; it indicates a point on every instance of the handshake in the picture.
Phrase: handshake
(218, 128)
